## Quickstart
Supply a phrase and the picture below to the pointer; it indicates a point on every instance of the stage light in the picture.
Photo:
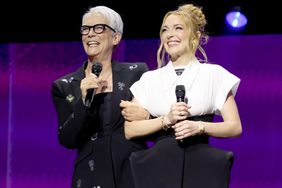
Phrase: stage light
(236, 20)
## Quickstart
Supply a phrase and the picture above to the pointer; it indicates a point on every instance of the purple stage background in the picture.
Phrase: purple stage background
(30, 155)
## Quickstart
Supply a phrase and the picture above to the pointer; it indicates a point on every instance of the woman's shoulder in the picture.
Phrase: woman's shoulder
(215, 71)
(212, 68)
(69, 77)
(130, 66)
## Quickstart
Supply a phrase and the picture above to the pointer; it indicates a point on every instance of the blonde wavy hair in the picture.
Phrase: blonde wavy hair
(195, 21)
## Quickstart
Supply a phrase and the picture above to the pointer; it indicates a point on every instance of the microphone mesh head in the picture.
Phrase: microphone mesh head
(180, 93)
(97, 68)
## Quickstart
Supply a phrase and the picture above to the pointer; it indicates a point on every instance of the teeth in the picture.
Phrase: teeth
(172, 43)
(93, 43)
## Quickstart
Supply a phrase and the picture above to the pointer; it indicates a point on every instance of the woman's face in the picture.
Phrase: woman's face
(98, 45)
(175, 36)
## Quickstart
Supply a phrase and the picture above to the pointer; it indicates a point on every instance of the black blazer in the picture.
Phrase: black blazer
(76, 126)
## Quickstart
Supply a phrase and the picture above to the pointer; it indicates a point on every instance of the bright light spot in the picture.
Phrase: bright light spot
(236, 20)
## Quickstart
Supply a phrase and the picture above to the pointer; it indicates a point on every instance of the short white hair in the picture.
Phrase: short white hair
(113, 17)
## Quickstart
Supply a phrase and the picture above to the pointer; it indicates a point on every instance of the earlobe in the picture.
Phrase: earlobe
(198, 34)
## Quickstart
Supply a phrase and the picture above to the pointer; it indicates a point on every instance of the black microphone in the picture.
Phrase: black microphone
(180, 96)
(96, 69)
(180, 93)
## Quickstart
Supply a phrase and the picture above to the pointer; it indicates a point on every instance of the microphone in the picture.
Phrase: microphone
(180, 93)
(96, 69)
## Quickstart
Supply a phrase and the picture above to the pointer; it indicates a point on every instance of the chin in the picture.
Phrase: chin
(172, 51)
(91, 52)
(172, 54)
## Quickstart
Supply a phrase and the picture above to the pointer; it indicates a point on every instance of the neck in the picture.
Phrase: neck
(182, 61)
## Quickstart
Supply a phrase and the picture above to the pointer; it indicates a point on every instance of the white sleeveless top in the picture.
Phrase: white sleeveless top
(207, 86)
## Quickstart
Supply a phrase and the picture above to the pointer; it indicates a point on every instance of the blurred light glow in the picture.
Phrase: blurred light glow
(236, 20)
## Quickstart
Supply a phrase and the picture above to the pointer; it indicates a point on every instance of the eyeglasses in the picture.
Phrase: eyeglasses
(98, 29)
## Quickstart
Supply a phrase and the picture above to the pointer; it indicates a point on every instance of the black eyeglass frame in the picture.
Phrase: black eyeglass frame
(95, 26)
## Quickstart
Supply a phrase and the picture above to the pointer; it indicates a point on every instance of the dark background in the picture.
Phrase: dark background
(59, 20)
(30, 155)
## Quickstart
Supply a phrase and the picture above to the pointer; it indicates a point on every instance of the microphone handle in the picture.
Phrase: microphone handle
(89, 97)
(180, 100)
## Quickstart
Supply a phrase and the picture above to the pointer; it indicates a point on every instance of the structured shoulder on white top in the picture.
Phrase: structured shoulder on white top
(207, 86)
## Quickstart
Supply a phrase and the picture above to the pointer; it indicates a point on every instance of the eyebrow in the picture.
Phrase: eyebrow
(175, 25)
(178, 25)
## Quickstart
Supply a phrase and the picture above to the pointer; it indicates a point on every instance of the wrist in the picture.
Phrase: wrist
(165, 123)
(202, 128)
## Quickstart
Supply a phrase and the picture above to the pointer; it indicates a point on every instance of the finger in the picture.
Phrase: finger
(179, 129)
(179, 134)
(180, 137)
(175, 126)
(125, 103)
(183, 107)
(94, 75)
(175, 113)
(123, 113)
(125, 117)
(182, 113)
(183, 136)
(122, 103)
(182, 116)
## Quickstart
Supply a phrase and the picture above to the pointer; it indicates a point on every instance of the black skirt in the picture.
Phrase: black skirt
(192, 163)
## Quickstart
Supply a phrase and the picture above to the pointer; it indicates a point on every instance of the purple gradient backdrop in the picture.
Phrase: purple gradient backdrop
(30, 155)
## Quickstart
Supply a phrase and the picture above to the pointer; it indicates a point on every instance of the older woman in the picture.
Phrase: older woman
(87, 104)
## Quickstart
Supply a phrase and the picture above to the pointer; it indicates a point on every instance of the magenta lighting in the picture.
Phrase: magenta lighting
(236, 20)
